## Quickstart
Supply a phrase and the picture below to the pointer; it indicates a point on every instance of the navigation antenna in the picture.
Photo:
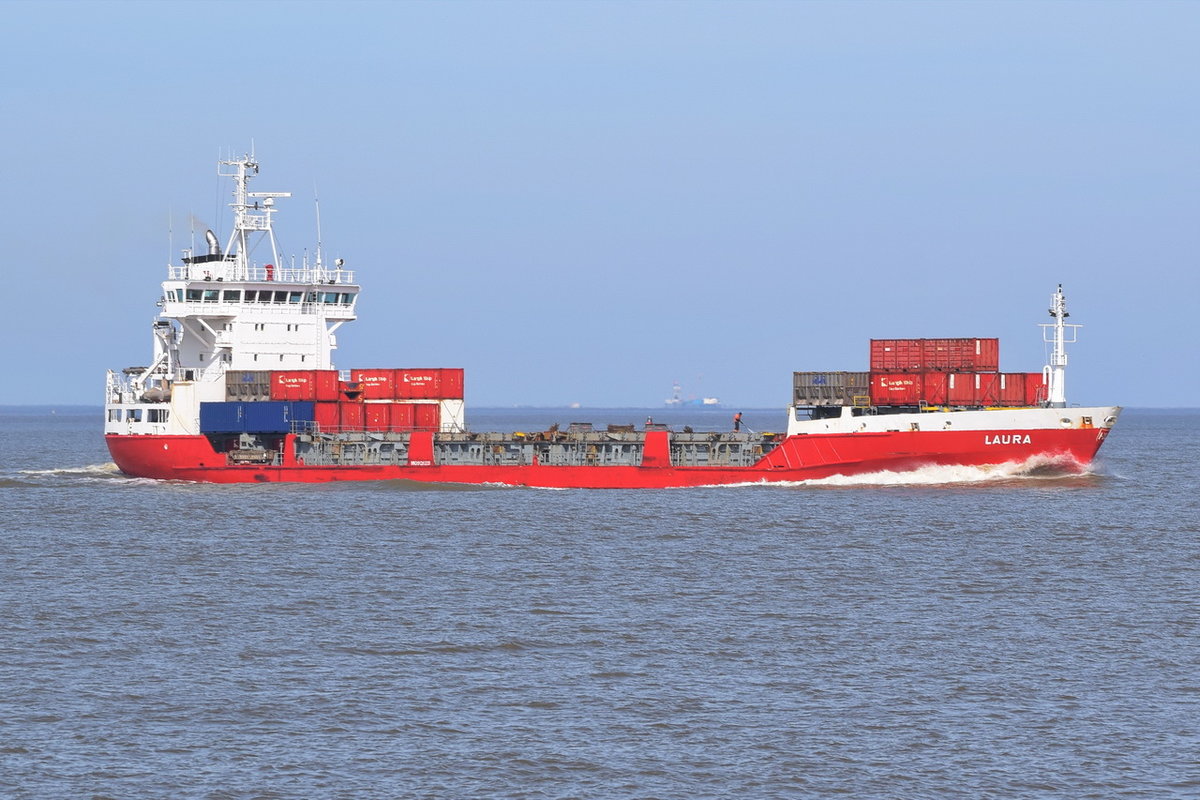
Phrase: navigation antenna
(317, 203)
(1056, 333)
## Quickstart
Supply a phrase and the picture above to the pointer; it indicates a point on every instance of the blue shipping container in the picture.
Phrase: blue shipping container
(222, 418)
(264, 417)
(276, 416)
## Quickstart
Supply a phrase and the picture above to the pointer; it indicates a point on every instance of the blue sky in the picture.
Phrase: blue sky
(583, 202)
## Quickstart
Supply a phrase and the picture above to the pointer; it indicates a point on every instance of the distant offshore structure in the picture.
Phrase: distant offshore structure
(677, 400)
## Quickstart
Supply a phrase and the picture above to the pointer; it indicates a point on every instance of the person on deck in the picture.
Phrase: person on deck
(737, 422)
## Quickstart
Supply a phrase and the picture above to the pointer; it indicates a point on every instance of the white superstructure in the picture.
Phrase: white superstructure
(237, 309)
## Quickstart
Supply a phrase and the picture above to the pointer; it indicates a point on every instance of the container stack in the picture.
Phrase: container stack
(947, 372)
(409, 399)
(373, 400)
(924, 372)
(831, 388)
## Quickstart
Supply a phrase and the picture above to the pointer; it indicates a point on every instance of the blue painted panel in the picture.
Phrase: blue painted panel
(222, 417)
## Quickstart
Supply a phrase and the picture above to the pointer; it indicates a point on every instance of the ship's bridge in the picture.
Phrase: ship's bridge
(215, 299)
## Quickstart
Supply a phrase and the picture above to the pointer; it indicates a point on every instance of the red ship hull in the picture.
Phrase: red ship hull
(797, 458)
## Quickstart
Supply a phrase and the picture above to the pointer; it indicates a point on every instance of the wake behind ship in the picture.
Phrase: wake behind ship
(241, 387)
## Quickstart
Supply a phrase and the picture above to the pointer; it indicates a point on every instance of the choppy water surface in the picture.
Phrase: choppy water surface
(947, 635)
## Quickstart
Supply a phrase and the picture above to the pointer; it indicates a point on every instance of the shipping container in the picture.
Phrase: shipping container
(312, 384)
(248, 385)
(409, 384)
(378, 416)
(353, 417)
(962, 389)
(895, 389)
(403, 416)
(988, 384)
(1011, 390)
(327, 416)
(254, 417)
(429, 384)
(940, 355)
(276, 417)
(946, 388)
(375, 384)
(222, 418)
(897, 355)
(830, 388)
(933, 388)
(426, 417)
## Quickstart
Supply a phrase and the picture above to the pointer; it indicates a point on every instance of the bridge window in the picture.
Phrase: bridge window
(114, 415)
(233, 296)
(212, 295)
(281, 297)
(329, 297)
(134, 415)
(347, 299)
(294, 297)
(194, 295)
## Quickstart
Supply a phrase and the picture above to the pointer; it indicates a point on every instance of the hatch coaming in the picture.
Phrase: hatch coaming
(598, 449)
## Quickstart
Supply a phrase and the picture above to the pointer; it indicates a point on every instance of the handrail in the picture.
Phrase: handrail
(229, 271)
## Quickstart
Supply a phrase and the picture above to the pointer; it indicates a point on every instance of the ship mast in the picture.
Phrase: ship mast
(1060, 334)
(249, 217)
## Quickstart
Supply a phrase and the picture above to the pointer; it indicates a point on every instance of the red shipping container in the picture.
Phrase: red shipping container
(378, 416)
(962, 389)
(933, 388)
(897, 355)
(326, 386)
(403, 416)
(962, 355)
(427, 417)
(293, 384)
(987, 355)
(1011, 391)
(942, 355)
(305, 385)
(353, 418)
(989, 388)
(1036, 391)
(327, 416)
(895, 389)
(429, 384)
(375, 384)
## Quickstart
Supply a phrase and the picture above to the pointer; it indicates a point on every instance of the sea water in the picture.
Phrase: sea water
(948, 633)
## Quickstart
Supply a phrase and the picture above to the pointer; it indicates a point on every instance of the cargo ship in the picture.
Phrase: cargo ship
(241, 388)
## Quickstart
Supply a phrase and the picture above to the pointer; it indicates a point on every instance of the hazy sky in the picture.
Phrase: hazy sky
(583, 202)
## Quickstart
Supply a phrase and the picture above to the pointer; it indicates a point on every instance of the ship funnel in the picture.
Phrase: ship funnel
(214, 246)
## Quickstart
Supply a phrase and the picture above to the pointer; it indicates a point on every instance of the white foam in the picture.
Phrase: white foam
(108, 470)
(1037, 468)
